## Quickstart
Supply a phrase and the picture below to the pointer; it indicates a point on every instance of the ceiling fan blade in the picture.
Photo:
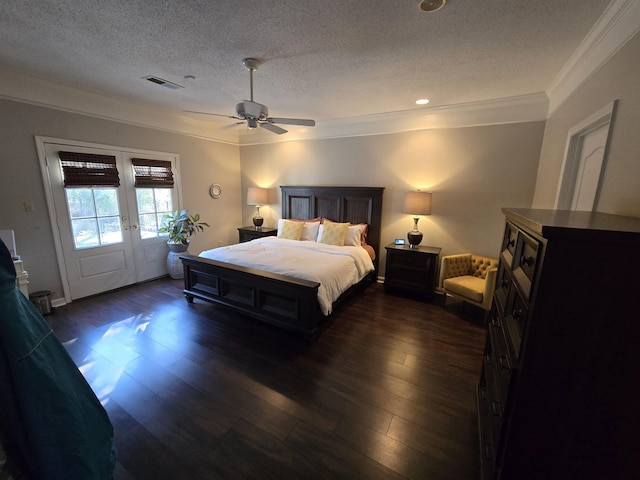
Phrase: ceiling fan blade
(273, 128)
(231, 125)
(292, 121)
(214, 114)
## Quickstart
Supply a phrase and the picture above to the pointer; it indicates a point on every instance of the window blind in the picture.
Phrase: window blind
(152, 173)
(89, 170)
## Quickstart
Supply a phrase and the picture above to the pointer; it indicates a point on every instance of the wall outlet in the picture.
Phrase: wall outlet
(29, 207)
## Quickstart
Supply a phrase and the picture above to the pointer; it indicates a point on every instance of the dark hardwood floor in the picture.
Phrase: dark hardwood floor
(197, 391)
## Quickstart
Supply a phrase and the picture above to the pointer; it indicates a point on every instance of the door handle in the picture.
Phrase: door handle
(134, 226)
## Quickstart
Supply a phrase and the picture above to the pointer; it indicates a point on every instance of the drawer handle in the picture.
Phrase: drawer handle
(505, 283)
(495, 406)
(527, 260)
(516, 313)
(511, 242)
(504, 362)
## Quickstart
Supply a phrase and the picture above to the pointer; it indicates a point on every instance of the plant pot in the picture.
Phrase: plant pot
(177, 247)
(174, 264)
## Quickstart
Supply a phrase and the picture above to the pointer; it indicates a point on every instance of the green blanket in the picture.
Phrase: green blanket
(48, 412)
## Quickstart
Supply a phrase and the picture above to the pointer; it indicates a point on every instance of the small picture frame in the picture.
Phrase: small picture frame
(399, 241)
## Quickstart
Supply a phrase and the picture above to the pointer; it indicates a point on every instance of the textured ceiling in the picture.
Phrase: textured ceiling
(325, 60)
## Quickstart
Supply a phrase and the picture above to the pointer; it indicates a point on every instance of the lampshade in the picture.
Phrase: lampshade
(257, 196)
(417, 203)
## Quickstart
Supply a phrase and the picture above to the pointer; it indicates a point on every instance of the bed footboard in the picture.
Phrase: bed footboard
(286, 302)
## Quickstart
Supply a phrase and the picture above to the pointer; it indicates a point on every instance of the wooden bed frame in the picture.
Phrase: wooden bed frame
(284, 301)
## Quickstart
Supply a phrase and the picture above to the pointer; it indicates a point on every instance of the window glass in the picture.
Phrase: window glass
(94, 215)
(153, 204)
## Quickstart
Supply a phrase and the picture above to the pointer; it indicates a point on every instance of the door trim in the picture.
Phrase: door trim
(573, 150)
(48, 191)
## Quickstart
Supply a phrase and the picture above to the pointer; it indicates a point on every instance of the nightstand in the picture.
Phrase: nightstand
(411, 270)
(246, 234)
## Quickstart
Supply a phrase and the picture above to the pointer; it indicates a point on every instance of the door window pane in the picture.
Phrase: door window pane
(106, 202)
(110, 231)
(80, 202)
(153, 204)
(85, 233)
(95, 216)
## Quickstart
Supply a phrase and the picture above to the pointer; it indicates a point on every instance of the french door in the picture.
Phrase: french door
(106, 236)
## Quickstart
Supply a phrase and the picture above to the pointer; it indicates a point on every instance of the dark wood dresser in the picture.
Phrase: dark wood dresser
(559, 395)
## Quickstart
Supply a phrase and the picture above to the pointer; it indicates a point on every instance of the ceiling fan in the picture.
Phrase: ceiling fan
(254, 113)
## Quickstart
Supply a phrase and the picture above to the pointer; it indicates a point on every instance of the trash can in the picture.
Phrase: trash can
(42, 301)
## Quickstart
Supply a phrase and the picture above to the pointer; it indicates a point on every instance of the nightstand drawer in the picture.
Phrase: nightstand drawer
(408, 260)
(246, 234)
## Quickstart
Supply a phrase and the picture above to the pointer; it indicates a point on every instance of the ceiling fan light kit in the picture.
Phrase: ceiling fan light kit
(257, 115)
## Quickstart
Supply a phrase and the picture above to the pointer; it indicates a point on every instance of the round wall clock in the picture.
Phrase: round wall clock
(215, 190)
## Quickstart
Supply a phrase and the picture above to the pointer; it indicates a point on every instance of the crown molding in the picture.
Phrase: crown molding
(26, 89)
(518, 109)
(617, 25)
(44, 93)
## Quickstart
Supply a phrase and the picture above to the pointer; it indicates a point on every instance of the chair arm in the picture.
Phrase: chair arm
(489, 287)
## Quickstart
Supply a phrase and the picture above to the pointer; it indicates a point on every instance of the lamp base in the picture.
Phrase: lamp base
(258, 221)
(414, 238)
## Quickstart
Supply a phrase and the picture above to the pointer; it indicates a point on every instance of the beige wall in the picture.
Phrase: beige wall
(201, 163)
(618, 79)
(473, 172)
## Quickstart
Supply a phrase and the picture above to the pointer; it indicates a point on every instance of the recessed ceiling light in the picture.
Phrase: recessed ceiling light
(422, 101)
(431, 5)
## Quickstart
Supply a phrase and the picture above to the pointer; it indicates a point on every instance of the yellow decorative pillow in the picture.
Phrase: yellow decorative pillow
(334, 233)
(290, 229)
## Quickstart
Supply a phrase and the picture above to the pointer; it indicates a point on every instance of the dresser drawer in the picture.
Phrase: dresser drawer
(503, 284)
(514, 323)
(525, 262)
(509, 242)
(486, 427)
(500, 358)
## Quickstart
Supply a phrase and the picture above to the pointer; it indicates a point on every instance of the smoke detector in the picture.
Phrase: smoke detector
(431, 5)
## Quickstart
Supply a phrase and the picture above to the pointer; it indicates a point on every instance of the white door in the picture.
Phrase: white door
(108, 235)
(584, 161)
(587, 179)
(147, 206)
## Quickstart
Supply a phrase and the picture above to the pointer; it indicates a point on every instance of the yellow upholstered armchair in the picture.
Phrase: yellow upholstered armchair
(469, 277)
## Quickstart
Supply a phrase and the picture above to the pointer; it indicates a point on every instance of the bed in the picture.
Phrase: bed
(283, 300)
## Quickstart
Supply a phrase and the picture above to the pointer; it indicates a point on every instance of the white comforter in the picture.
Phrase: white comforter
(335, 268)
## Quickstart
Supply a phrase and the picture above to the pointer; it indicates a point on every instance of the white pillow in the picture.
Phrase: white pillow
(310, 231)
(354, 235)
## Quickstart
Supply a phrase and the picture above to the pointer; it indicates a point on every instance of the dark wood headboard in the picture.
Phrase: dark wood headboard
(340, 204)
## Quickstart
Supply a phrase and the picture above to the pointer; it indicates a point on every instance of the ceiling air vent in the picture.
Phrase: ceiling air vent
(163, 82)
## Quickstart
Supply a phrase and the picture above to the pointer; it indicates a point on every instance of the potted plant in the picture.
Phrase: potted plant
(180, 226)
